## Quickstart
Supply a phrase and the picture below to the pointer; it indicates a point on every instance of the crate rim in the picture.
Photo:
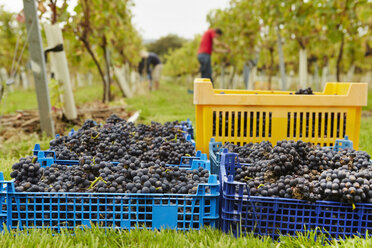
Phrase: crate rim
(356, 96)
(114, 194)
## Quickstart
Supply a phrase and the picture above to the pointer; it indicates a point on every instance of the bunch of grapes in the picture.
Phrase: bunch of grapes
(307, 91)
(303, 171)
(251, 152)
(349, 186)
(118, 139)
(27, 173)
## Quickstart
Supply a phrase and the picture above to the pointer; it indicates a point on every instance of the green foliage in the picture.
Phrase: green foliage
(164, 44)
(78, 59)
(53, 11)
(241, 31)
(102, 33)
(55, 91)
(183, 60)
(9, 33)
(93, 21)
(300, 23)
(252, 27)
(124, 37)
(91, 24)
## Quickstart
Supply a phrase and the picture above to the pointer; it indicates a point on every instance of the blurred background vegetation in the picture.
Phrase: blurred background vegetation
(264, 36)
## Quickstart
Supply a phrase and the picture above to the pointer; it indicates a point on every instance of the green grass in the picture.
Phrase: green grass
(369, 106)
(18, 100)
(365, 137)
(170, 103)
(166, 238)
(26, 99)
(136, 238)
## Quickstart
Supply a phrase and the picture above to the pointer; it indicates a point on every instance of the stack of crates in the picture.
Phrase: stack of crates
(241, 117)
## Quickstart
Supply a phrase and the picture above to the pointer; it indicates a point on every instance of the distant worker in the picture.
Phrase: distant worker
(209, 43)
(152, 65)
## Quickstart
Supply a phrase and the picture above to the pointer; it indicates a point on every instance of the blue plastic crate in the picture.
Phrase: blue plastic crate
(189, 128)
(341, 144)
(215, 151)
(242, 214)
(110, 210)
(215, 156)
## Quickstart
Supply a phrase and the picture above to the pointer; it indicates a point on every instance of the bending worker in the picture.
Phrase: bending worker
(152, 64)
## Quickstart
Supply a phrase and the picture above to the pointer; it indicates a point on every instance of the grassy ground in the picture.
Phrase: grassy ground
(166, 238)
(26, 99)
(369, 106)
(170, 103)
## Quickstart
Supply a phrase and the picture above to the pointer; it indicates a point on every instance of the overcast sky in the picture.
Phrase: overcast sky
(156, 18)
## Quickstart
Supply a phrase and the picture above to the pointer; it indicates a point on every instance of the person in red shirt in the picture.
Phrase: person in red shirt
(208, 44)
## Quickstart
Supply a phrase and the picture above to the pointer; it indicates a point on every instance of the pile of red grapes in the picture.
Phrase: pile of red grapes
(104, 177)
(118, 139)
(307, 91)
(304, 171)
(141, 151)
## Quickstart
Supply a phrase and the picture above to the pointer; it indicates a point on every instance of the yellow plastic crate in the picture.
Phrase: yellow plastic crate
(242, 116)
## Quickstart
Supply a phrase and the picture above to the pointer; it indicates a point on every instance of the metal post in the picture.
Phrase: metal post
(38, 66)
